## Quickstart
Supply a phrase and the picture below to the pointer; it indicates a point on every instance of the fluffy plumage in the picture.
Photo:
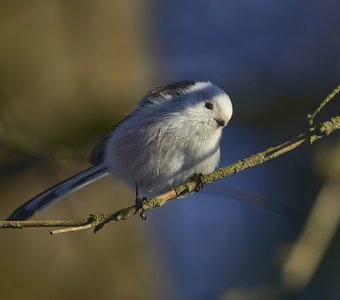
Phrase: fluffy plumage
(172, 134)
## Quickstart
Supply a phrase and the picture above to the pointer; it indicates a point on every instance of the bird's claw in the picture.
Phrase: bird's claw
(139, 204)
(198, 178)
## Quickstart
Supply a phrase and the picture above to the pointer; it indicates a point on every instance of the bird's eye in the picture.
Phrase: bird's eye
(208, 105)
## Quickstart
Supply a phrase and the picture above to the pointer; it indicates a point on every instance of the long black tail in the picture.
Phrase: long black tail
(58, 191)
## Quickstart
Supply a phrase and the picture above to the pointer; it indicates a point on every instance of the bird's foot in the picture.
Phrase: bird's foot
(139, 204)
(198, 178)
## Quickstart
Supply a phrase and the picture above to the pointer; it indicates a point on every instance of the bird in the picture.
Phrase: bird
(172, 134)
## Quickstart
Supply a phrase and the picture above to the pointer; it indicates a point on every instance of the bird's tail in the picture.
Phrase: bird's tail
(58, 191)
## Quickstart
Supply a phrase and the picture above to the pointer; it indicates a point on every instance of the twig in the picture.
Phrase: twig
(51, 223)
(81, 224)
(97, 221)
(324, 102)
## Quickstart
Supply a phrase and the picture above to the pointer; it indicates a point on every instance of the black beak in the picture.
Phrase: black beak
(220, 122)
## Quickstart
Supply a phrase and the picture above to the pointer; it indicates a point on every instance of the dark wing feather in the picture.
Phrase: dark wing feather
(96, 156)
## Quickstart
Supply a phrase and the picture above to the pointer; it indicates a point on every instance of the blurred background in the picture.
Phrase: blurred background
(70, 69)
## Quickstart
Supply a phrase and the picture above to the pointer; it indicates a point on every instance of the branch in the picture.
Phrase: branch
(323, 103)
(70, 225)
(97, 221)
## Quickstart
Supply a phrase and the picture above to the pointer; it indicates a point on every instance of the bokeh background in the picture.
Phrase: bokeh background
(70, 69)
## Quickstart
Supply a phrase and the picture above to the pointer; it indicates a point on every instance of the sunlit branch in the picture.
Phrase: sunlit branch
(97, 221)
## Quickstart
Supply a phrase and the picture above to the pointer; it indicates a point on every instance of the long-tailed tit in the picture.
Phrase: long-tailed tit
(172, 135)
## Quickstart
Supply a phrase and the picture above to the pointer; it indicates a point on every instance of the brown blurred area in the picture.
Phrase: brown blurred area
(69, 70)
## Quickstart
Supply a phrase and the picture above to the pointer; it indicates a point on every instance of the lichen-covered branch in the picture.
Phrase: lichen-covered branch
(317, 132)
(80, 224)
(98, 221)
(322, 104)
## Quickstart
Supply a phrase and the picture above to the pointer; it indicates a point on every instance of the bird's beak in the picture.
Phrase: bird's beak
(220, 122)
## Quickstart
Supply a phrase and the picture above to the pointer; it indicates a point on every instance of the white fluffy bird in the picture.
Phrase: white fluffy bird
(172, 135)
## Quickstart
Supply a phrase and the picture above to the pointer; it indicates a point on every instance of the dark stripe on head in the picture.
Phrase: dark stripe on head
(172, 89)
